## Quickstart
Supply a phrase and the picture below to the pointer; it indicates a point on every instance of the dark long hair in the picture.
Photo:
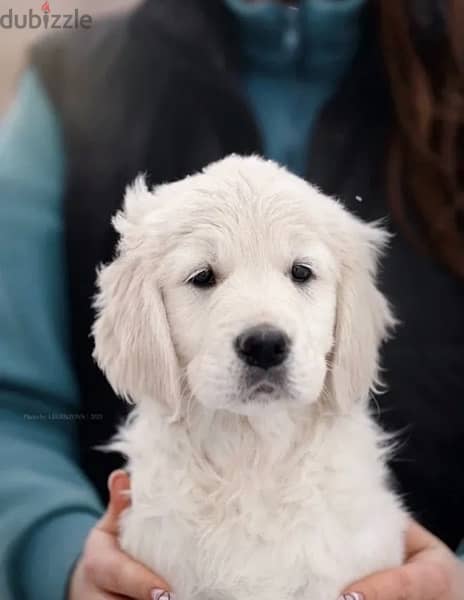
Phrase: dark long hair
(423, 46)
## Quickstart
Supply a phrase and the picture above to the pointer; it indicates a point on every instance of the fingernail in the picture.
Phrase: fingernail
(115, 478)
(157, 594)
(352, 596)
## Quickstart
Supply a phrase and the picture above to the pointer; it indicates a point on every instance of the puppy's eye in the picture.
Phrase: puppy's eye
(203, 279)
(301, 273)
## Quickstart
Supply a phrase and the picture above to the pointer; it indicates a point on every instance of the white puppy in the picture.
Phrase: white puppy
(241, 317)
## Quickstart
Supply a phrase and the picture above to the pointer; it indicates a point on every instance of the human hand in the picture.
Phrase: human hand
(104, 571)
(430, 572)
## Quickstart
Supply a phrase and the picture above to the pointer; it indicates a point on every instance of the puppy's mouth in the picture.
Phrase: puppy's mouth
(263, 388)
(264, 384)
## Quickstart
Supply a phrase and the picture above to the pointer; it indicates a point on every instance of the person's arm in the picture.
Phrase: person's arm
(53, 546)
(47, 506)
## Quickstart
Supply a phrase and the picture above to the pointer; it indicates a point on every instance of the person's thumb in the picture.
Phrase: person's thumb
(413, 581)
(119, 487)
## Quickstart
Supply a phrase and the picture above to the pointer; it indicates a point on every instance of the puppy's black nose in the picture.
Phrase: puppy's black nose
(262, 346)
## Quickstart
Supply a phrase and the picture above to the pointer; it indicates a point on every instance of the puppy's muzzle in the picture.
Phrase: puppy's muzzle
(262, 346)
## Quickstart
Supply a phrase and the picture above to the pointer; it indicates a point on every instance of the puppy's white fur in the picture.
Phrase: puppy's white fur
(240, 493)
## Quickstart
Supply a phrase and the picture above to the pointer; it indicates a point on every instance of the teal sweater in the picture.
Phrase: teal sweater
(292, 63)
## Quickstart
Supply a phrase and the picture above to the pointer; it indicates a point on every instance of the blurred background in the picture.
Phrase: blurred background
(14, 42)
(391, 147)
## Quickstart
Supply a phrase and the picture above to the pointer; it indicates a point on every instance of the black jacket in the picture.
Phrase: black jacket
(157, 91)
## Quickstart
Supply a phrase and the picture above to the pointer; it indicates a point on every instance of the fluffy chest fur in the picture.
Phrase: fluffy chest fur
(293, 508)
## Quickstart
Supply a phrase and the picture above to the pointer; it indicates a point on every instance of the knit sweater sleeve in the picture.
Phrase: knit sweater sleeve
(47, 506)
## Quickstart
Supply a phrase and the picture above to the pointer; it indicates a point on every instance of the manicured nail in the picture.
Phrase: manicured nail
(352, 596)
(157, 594)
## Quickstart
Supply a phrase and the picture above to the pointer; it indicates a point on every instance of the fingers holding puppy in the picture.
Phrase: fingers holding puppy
(104, 571)
(431, 572)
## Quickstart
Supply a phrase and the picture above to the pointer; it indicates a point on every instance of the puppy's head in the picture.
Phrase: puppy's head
(243, 287)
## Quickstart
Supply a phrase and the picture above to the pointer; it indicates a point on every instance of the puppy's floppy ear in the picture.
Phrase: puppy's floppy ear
(133, 345)
(363, 319)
